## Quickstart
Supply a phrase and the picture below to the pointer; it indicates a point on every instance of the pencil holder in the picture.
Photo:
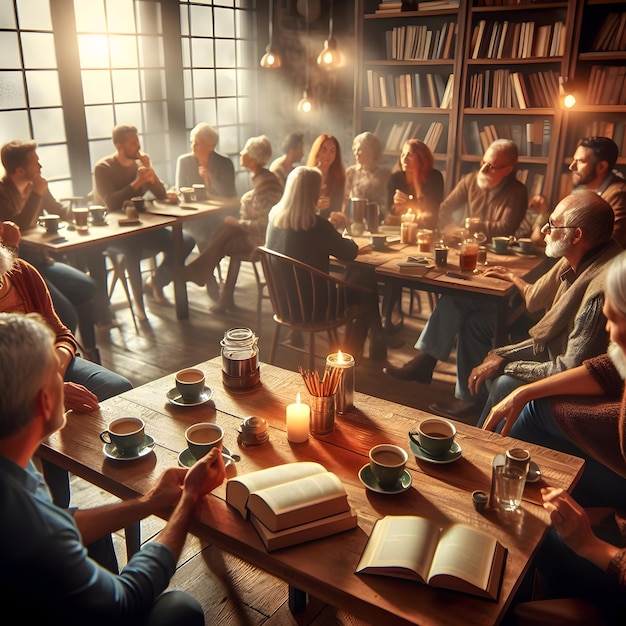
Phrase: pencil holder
(322, 415)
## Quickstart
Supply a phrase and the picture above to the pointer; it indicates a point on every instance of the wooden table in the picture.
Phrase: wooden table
(474, 286)
(325, 568)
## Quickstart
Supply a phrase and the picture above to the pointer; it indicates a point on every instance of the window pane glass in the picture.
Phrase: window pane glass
(48, 125)
(123, 51)
(226, 82)
(204, 111)
(245, 82)
(120, 16)
(100, 121)
(10, 51)
(14, 124)
(11, 90)
(90, 16)
(225, 53)
(126, 85)
(43, 88)
(156, 116)
(245, 54)
(243, 24)
(129, 114)
(34, 14)
(7, 15)
(154, 84)
(246, 110)
(229, 141)
(187, 82)
(96, 86)
(186, 50)
(100, 149)
(151, 52)
(38, 50)
(201, 21)
(184, 21)
(54, 160)
(202, 52)
(227, 110)
(62, 188)
(203, 84)
(224, 22)
(93, 51)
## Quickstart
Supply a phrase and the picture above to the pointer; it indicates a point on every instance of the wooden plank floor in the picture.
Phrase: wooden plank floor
(231, 591)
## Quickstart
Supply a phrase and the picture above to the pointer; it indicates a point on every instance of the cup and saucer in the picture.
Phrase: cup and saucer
(534, 471)
(366, 476)
(434, 441)
(454, 452)
(186, 459)
(111, 451)
(175, 397)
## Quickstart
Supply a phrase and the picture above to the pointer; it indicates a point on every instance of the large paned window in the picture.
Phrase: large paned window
(70, 70)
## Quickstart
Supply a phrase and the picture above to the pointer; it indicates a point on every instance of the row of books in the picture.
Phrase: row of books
(517, 40)
(409, 90)
(611, 36)
(534, 185)
(393, 6)
(418, 42)
(531, 138)
(607, 85)
(610, 129)
(394, 137)
(507, 3)
(503, 88)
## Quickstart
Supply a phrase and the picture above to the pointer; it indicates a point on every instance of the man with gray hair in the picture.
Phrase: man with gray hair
(579, 234)
(498, 200)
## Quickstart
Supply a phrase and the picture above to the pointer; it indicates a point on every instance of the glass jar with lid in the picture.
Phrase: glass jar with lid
(240, 359)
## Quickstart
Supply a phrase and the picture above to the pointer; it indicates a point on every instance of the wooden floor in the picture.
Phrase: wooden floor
(231, 591)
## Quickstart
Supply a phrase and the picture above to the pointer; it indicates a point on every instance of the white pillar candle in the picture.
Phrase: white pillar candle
(298, 418)
(345, 392)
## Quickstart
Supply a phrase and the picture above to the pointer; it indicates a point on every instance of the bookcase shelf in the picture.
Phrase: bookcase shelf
(575, 57)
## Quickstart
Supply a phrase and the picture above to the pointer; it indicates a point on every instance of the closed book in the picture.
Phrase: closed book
(304, 532)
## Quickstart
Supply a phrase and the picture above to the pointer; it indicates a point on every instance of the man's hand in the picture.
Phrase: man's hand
(168, 489)
(497, 271)
(10, 234)
(508, 409)
(40, 184)
(206, 474)
(492, 366)
(79, 398)
(145, 176)
(339, 220)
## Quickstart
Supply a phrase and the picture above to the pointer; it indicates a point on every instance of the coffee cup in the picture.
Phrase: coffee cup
(125, 433)
(131, 210)
(517, 457)
(199, 192)
(372, 217)
(435, 436)
(81, 217)
(525, 245)
(98, 212)
(139, 202)
(188, 194)
(500, 244)
(172, 196)
(441, 255)
(387, 463)
(203, 437)
(190, 384)
(378, 241)
(49, 222)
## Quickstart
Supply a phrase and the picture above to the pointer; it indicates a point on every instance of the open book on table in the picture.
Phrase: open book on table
(457, 557)
(291, 496)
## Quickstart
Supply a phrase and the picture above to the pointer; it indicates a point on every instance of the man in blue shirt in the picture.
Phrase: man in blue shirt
(45, 573)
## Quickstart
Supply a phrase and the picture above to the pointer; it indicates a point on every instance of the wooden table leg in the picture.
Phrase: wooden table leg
(180, 285)
(297, 599)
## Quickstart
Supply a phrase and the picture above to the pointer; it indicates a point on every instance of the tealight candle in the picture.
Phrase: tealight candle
(298, 418)
(345, 392)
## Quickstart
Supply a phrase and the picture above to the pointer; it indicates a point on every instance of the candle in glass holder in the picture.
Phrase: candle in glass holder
(345, 391)
(298, 418)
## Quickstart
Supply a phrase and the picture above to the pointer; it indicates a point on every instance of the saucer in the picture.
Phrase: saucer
(506, 252)
(185, 458)
(174, 397)
(369, 480)
(99, 222)
(451, 455)
(534, 471)
(111, 452)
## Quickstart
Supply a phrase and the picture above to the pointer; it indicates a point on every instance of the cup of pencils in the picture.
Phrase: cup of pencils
(323, 398)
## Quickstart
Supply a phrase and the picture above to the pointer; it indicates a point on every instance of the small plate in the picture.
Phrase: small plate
(174, 397)
(369, 480)
(99, 222)
(185, 459)
(111, 452)
(450, 456)
(534, 471)
(507, 252)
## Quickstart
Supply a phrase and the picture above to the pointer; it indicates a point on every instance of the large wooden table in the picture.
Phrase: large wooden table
(156, 215)
(325, 568)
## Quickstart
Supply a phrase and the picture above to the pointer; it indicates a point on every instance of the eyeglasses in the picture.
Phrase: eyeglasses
(549, 227)
(489, 167)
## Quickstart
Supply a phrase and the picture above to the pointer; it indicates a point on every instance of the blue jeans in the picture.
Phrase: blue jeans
(499, 389)
(468, 323)
(598, 486)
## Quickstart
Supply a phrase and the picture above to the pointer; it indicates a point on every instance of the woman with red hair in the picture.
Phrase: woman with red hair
(325, 155)
(414, 175)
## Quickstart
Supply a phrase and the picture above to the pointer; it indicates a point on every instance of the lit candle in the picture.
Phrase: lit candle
(409, 216)
(298, 418)
(345, 392)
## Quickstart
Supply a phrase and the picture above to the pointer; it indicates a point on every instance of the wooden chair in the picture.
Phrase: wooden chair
(306, 300)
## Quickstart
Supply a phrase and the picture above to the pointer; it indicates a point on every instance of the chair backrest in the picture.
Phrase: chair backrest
(304, 296)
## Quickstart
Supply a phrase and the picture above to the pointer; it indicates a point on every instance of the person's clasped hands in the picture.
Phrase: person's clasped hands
(492, 366)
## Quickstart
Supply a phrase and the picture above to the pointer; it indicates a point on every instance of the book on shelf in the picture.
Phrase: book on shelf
(436, 5)
(458, 557)
(446, 100)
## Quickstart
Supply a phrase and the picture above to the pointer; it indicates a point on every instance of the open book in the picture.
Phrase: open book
(458, 557)
(288, 495)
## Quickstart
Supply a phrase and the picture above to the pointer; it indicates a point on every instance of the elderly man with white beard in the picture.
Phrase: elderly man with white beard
(572, 328)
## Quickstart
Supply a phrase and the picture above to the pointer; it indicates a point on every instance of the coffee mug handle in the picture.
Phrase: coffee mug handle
(414, 437)
(105, 436)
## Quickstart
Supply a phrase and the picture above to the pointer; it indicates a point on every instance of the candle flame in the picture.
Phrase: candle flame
(339, 356)
(298, 398)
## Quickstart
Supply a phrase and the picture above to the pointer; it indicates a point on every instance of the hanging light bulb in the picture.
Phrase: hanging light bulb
(566, 96)
(271, 59)
(329, 57)
(306, 104)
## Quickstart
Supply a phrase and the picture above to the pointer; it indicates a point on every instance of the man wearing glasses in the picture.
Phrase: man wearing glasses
(499, 201)
(572, 328)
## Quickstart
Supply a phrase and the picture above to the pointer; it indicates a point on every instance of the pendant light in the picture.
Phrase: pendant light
(307, 104)
(271, 59)
(329, 58)
(567, 97)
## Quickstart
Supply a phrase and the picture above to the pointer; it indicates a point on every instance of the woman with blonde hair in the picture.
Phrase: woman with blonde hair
(414, 175)
(325, 154)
